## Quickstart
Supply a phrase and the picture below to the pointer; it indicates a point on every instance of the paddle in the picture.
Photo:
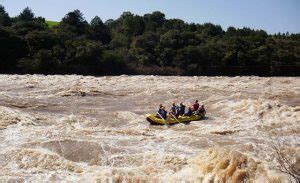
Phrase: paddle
(175, 118)
(163, 119)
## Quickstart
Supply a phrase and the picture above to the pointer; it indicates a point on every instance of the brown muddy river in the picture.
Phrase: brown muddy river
(80, 128)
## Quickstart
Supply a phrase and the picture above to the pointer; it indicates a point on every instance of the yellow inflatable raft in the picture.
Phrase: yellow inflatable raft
(153, 119)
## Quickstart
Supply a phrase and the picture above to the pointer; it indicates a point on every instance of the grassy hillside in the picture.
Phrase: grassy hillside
(52, 23)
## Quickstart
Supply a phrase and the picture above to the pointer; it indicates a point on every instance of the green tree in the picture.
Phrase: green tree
(131, 25)
(12, 48)
(37, 40)
(212, 30)
(175, 24)
(4, 18)
(27, 22)
(85, 53)
(154, 20)
(41, 62)
(148, 44)
(99, 31)
(26, 15)
(73, 23)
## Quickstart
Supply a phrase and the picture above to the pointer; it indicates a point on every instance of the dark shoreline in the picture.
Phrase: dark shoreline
(147, 45)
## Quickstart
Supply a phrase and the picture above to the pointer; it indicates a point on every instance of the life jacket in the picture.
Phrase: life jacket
(162, 112)
(181, 110)
(174, 109)
(201, 110)
(196, 106)
(189, 112)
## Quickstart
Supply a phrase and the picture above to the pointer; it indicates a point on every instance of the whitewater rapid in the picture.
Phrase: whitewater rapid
(84, 128)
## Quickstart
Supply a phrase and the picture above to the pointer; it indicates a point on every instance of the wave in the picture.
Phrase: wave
(77, 128)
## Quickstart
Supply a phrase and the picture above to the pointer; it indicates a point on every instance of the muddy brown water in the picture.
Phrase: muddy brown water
(82, 128)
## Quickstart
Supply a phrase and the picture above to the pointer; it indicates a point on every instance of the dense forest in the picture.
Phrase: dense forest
(133, 44)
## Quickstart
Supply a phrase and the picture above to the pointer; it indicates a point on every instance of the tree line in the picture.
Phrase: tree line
(148, 44)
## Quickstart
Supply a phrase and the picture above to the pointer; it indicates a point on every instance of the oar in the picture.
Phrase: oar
(163, 119)
(175, 118)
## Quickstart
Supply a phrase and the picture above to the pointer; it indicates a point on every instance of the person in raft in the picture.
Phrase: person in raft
(162, 111)
(181, 110)
(202, 110)
(189, 112)
(196, 105)
(174, 110)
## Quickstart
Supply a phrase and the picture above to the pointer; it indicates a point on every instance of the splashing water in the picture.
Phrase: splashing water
(82, 128)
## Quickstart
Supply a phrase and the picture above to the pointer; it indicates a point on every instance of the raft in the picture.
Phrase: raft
(155, 120)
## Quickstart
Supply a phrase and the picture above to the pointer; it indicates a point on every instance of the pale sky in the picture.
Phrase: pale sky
(271, 15)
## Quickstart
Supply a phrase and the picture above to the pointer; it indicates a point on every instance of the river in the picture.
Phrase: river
(84, 128)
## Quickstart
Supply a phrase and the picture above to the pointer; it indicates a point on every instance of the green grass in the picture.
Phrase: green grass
(51, 23)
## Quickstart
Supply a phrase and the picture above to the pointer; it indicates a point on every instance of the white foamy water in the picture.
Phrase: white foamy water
(80, 128)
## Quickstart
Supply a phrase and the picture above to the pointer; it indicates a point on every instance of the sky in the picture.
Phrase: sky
(271, 15)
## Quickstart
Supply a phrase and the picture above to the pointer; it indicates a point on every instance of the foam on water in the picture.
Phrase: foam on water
(76, 128)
